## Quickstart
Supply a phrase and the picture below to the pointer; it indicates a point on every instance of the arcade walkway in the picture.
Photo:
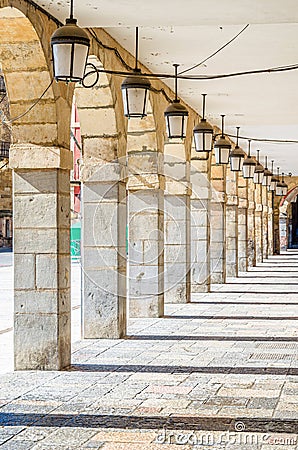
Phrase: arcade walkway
(227, 361)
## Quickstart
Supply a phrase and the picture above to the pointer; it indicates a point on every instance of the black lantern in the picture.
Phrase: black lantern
(4, 150)
(237, 156)
(203, 133)
(135, 90)
(279, 186)
(176, 115)
(274, 180)
(70, 47)
(249, 165)
(267, 174)
(283, 187)
(222, 147)
(259, 171)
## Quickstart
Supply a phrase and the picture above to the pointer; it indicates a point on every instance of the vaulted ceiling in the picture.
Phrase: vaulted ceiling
(188, 31)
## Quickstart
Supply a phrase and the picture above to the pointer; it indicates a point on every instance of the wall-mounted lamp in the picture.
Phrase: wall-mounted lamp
(222, 146)
(267, 174)
(237, 156)
(249, 165)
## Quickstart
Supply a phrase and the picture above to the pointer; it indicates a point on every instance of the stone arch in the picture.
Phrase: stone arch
(25, 55)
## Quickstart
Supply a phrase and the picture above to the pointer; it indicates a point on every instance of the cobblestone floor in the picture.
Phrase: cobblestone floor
(221, 372)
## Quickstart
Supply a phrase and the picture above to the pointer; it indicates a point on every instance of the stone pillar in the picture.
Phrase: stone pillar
(270, 224)
(242, 224)
(200, 226)
(217, 224)
(104, 251)
(258, 224)
(146, 234)
(42, 308)
(231, 223)
(276, 235)
(251, 250)
(265, 221)
(177, 225)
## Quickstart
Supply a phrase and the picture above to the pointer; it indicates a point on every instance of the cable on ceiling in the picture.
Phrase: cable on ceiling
(216, 52)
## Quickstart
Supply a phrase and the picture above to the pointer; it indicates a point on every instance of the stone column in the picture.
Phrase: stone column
(276, 234)
(270, 224)
(146, 234)
(251, 249)
(242, 224)
(42, 308)
(200, 226)
(217, 224)
(231, 223)
(258, 224)
(265, 221)
(177, 225)
(104, 251)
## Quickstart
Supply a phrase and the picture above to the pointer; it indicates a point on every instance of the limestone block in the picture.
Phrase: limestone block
(98, 97)
(147, 307)
(41, 301)
(25, 271)
(36, 341)
(175, 253)
(99, 148)
(217, 172)
(232, 200)
(29, 156)
(258, 207)
(146, 141)
(35, 211)
(100, 224)
(91, 118)
(26, 86)
(46, 271)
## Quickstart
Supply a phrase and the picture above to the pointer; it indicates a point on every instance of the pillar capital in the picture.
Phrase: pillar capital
(30, 156)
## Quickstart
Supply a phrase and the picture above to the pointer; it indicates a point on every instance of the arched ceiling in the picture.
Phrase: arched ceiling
(187, 31)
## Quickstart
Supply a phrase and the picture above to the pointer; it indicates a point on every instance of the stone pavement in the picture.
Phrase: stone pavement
(221, 372)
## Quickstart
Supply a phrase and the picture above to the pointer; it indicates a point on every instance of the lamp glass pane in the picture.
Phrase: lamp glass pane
(258, 177)
(236, 163)
(134, 101)
(248, 171)
(203, 142)
(273, 185)
(278, 190)
(176, 126)
(62, 60)
(79, 60)
(284, 190)
(267, 180)
(221, 155)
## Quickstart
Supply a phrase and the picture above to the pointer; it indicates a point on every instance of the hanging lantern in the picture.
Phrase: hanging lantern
(176, 115)
(203, 133)
(274, 180)
(222, 147)
(279, 186)
(249, 165)
(237, 156)
(267, 174)
(259, 171)
(4, 150)
(70, 47)
(135, 90)
(284, 186)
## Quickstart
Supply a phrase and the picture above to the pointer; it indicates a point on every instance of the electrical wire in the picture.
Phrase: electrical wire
(272, 141)
(216, 52)
(154, 76)
(30, 108)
